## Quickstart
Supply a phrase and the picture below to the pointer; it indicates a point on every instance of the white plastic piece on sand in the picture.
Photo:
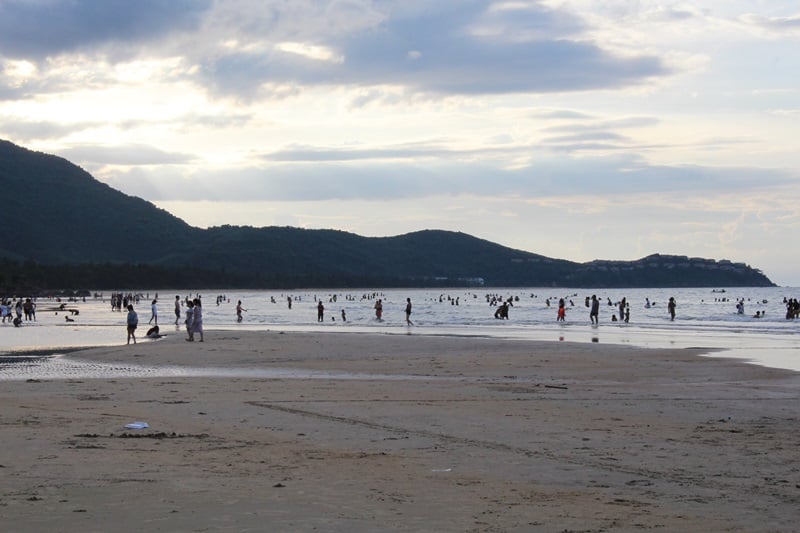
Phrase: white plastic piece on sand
(442, 470)
(137, 425)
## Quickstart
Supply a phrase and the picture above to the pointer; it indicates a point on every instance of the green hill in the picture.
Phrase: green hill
(66, 229)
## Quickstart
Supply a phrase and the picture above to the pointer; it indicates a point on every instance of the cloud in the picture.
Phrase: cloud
(248, 50)
(593, 134)
(408, 151)
(779, 25)
(354, 176)
(26, 130)
(561, 114)
(39, 29)
(449, 47)
(93, 155)
(588, 136)
(605, 124)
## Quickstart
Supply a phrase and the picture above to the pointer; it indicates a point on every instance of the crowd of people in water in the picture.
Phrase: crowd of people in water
(188, 310)
(502, 304)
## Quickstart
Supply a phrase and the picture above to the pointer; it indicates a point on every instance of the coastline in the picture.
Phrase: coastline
(404, 433)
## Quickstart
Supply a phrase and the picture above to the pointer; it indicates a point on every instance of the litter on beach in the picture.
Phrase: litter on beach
(137, 425)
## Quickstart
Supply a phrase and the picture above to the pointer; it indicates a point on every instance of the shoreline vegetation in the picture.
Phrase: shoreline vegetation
(404, 433)
(35, 279)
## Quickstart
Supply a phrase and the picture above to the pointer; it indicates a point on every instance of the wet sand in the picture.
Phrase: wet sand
(403, 433)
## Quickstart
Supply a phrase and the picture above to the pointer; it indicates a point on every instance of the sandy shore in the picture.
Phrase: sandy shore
(406, 433)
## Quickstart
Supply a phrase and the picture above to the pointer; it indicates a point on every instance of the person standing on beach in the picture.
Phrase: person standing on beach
(379, 310)
(408, 312)
(5, 310)
(189, 320)
(177, 309)
(594, 314)
(132, 321)
(671, 308)
(320, 312)
(197, 319)
(239, 310)
(153, 313)
(562, 311)
(29, 308)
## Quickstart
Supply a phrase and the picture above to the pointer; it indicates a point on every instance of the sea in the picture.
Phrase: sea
(705, 318)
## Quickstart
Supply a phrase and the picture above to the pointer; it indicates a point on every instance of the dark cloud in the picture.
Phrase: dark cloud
(440, 48)
(35, 30)
(450, 47)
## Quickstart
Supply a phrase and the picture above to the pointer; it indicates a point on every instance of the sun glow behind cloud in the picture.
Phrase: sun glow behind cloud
(310, 51)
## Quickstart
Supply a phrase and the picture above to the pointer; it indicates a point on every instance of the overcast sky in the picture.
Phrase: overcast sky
(576, 129)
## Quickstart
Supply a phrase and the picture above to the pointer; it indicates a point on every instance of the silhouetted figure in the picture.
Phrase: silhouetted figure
(594, 313)
(132, 322)
(502, 311)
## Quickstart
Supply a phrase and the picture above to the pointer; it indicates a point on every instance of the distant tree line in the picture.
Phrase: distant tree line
(37, 279)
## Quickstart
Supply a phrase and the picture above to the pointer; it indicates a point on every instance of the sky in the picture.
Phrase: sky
(575, 129)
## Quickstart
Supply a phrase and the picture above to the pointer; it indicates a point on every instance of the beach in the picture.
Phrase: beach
(298, 431)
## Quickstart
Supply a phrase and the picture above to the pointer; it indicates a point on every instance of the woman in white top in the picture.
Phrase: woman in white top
(197, 319)
(153, 313)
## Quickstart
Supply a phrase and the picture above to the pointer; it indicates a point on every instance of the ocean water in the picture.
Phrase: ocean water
(706, 317)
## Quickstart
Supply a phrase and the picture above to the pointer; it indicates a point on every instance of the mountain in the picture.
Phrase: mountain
(57, 212)
(65, 227)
